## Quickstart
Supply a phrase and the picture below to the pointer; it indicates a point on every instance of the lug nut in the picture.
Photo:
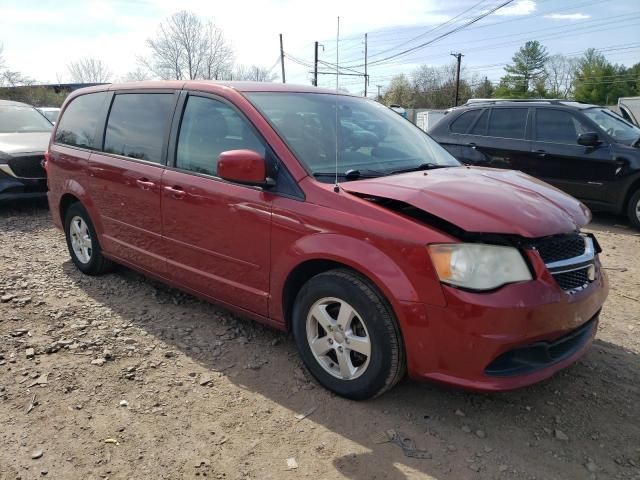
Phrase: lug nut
(330, 341)
(340, 349)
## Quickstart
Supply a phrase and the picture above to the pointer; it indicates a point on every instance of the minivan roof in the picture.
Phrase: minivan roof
(211, 84)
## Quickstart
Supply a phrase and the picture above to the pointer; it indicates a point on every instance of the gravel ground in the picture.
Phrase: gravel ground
(122, 377)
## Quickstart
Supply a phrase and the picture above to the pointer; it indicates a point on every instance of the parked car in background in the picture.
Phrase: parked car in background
(51, 113)
(585, 150)
(24, 136)
(379, 252)
(629, 109)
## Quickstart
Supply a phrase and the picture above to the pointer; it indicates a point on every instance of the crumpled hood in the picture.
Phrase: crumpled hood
(12, 143)
(482, 200)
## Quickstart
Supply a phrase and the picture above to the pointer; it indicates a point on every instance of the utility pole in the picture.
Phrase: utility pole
(282, 59)
(315, 65)
(366, 77)
(459, 58)
(379, 87)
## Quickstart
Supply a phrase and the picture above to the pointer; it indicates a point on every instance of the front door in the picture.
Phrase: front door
(217, 233)
(126, 178)
(557, 158)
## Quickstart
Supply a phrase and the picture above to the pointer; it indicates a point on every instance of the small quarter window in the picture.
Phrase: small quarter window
(464, 121)
(77, 127)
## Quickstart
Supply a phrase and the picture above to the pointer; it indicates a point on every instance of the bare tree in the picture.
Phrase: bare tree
(89, 70)
(138, 75)
(11, 78)
(560, 73)
(186, 48)
(253, 73)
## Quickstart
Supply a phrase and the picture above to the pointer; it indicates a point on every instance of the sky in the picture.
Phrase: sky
(41, 37)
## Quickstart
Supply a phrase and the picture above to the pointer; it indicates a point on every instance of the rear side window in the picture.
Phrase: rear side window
(208, 128)
(464, 121)
(77, 127)
(557, 126)
(480, 128)
(137, 125)
(508, 122)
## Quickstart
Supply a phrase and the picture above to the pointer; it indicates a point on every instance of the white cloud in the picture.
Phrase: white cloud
(518, 9)
(568, 16)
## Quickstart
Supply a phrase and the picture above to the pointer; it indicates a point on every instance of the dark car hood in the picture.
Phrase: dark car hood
(12, 143)
(482, 200)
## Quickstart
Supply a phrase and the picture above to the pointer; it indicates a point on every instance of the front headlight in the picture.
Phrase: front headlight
(478, 266)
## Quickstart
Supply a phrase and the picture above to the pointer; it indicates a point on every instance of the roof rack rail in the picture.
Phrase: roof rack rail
(475, 101)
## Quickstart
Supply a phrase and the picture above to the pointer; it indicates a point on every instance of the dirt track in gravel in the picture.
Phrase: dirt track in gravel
(189, 390)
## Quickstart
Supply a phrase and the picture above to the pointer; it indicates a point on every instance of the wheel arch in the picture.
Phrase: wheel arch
(326, 252)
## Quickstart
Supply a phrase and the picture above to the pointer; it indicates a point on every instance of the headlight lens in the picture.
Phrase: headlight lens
(477, 266)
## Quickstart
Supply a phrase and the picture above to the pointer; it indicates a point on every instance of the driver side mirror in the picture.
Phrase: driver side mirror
(589, 139)
(244, 166)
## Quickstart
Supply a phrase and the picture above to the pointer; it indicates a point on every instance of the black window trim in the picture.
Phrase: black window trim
(167, 128)
(104, 108)
(175, 133)
(584, 121)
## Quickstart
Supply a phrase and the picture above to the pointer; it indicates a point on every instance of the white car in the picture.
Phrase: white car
(51, 113)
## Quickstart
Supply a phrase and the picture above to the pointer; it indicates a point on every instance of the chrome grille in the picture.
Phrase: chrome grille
(573, 280)
(570, 259)
(561, 247)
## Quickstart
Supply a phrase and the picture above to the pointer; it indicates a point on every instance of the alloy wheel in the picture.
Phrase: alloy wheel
(338, 338)
(80, 239)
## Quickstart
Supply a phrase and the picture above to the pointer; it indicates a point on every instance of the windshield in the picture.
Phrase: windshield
(372, 139)
(17, 119)
(615, 126)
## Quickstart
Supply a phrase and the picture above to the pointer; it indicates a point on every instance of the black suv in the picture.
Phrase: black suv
(585, 150)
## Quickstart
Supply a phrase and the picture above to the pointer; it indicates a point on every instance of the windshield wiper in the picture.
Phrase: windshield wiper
(352, 174)
(422, 166)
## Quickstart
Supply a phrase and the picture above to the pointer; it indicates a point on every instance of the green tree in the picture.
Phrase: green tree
(399, 92)
(484, 89)
(599, 81)
(525, 75)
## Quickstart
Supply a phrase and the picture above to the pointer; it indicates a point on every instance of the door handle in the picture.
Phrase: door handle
(145, 184)
(541, 154)
(472, 145)
(176, 192)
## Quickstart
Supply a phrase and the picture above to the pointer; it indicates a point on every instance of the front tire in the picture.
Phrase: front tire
(82, 242)
(347, 335)
(633, 209)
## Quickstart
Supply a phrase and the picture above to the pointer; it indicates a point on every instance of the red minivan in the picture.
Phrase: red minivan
(333, 217)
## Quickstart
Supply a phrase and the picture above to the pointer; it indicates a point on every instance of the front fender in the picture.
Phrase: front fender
(360, 255)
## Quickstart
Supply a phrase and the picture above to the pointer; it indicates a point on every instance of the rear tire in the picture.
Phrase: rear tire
(633, 210)
(347, 335)
(82, 242)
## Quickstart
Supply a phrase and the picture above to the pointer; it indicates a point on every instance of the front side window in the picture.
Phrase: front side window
(210, 127)
(557, 126)
(370, 139)
(621, 130)
(137, 125)
(77, 126)
(508, 122)
(22, 119)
